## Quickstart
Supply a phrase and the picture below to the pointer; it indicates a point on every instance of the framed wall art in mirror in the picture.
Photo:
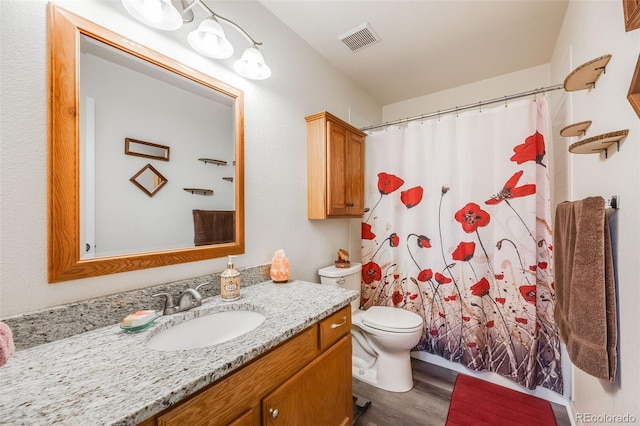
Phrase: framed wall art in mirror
(149, 180)
(86, 191)
(146, 149)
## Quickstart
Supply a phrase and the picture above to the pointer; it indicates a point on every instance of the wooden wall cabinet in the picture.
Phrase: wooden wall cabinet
(335, 173)
(297, 383)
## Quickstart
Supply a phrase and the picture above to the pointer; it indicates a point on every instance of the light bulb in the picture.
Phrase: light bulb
(152, 10)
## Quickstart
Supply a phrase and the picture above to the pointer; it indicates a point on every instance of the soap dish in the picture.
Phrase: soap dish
(138, 328)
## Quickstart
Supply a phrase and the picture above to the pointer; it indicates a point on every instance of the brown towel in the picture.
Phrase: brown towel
(585, 309)
(214, 226)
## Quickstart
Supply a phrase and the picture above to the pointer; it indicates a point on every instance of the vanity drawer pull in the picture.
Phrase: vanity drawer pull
(334, 327)
(344, 321)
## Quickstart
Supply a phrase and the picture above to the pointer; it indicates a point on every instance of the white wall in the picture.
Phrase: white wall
(592, 29)
(275, 150)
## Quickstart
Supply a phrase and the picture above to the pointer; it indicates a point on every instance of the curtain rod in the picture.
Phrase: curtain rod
(465, 107)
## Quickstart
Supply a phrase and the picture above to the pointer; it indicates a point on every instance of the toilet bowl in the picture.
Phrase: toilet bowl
(382, 336)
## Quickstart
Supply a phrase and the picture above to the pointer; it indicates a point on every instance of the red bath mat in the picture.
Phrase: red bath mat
(477, 402)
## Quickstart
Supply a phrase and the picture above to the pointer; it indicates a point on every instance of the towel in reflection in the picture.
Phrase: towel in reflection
(585, 308)
(7, 347)
(214, 226)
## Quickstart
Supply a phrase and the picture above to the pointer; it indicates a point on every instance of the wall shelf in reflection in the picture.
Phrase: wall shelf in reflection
(213, 161)
(199, 191)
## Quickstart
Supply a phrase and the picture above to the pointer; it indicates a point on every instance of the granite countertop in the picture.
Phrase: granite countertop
(106, 376)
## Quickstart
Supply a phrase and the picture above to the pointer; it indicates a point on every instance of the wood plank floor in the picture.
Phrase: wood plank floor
(425, 405)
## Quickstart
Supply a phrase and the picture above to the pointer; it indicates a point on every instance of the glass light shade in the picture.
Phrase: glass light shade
(209, 40)
(159, 14)
(251, 65)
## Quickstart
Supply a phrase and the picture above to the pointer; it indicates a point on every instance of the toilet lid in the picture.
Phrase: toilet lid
(388, 318)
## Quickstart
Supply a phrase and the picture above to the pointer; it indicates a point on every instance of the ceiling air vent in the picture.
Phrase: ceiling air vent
(360, 37)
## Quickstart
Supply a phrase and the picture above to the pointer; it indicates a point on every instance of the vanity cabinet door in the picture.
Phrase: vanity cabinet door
(335, 166)
(236, 399)
(320, 394)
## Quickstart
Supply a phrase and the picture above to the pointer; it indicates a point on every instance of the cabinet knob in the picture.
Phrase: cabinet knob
(274, 413)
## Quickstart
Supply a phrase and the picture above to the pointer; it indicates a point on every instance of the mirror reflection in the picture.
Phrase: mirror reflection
(122, 95)
(104, 89)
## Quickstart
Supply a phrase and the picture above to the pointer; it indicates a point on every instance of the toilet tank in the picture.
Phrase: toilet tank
(348, 278)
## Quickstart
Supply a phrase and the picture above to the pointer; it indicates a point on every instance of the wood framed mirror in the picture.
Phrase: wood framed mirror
(65, 158)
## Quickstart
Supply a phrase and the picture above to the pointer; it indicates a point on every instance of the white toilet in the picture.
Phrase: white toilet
(382, 336)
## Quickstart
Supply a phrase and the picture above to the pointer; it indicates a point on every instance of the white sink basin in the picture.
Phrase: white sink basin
(206, 330)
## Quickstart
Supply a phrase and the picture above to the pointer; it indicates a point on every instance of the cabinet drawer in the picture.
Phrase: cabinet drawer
(334, 327)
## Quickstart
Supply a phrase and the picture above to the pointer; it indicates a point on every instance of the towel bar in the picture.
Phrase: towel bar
(613, 202)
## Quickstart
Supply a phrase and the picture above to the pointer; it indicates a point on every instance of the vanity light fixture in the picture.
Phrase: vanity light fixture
(208, 39)
(160, 14)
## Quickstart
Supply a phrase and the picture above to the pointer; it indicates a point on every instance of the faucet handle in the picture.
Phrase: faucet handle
(169, 304)
(200, 285)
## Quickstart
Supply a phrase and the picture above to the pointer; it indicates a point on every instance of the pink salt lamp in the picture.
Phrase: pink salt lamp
(280, 269)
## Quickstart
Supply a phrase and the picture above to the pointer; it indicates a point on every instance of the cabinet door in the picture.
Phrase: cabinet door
(355, 175)
(336, 169)
(320, 394)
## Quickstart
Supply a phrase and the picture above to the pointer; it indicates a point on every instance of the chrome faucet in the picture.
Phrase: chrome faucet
(189, 299)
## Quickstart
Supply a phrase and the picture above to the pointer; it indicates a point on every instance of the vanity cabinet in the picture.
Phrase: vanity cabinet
(306, 380)
(335, 168)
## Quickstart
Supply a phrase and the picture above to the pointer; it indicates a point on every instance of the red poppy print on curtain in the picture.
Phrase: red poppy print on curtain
(424, 242)
(425, 275)
(481, 288)
(411, 197)
(472, 217)
(528, 292)
(441, 279)
(464, 251)
(366, 232)
(397, 298)
(531, 150)
(509, 190)
(387, 183)
(371, 272)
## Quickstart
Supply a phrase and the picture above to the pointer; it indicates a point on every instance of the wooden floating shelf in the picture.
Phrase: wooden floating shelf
(577, 129)
(230, 179)
(585, 76)
(598, 143)
(199, 191)
(213, 161)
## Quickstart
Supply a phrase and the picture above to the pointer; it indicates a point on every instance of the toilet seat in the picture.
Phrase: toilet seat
(390, 319)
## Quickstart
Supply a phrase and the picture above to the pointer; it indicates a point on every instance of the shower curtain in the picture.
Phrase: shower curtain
(459, 231)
